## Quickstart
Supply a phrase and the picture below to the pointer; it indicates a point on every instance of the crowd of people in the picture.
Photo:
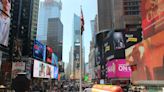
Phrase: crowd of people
(22, 84)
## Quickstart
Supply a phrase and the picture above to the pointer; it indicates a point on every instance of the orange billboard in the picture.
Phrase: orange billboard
(148, 57)
(152, 12)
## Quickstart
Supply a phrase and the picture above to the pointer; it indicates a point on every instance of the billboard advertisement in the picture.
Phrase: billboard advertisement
(5, 7)
(100, 46)
(39, 50)
(148, 56)
(118, 68)
(108, 47)
(54, 59)
(133, 37)
(123, 70)
(17, 67)
(118, 40)
(111, 69)
(43, 70)
(56, 72)
(61, 66)
(152, 17)
(49, 52)
(114, 45)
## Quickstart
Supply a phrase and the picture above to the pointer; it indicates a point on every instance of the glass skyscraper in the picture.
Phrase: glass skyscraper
(47, 9)
(76, 48)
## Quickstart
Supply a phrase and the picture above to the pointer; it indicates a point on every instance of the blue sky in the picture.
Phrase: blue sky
(70, 7)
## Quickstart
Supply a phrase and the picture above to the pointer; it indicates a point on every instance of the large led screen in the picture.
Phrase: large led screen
(118, 68)
(108, 47)
(56, 69)
(133, 37)
(4, 21)
(49, 52)
(54, 59)
(118, 40)
(148, 57)
(152, 17)
(39, 50)
(43, 70)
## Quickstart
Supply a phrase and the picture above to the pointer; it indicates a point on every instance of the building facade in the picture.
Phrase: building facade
(113, 16)
(24, 15)
(118, 14)
(76, 48)
(92, 49)
(55, 36)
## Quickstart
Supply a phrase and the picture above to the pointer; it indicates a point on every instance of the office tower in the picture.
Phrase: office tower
(47, 9)
(118, 14)
(131, 14)
(24, 15)
(55, 36)
(76, 48)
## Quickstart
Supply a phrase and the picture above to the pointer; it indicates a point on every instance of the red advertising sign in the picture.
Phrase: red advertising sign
(148, 58)
(152, 17)
(49, 54)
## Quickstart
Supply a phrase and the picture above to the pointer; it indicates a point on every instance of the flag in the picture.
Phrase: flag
(82, 22)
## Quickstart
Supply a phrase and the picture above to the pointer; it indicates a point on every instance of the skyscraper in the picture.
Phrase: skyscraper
(55, 36)
(48, 9)
(118, 13)
(76, 48)
(24, 15)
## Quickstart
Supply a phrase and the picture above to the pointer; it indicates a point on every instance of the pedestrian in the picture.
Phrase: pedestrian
(21, 83)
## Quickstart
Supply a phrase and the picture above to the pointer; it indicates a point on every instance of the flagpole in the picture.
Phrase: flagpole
(81, 33)
(80, 61)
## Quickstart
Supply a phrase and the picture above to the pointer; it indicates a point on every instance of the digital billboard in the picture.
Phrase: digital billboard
(118, 68)
(133, 37)
(123, 70)
(61, 66)
(54, 59)
(39, 50)
(148, 57)
(118, 40)
(56, 69)
(114, 45)
(49, 52)
(111, 69)
(4, 21)
(152, 17)
(17, 67)
(108, 47)
(43, 70)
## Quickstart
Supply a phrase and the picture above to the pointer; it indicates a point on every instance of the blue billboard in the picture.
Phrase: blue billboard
(54, 59)
(39, 51)
(56, 72)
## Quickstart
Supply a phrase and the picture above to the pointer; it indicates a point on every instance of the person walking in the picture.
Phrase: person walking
(21, 83)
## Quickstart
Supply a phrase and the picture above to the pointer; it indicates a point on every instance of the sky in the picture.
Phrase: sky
(69, 8)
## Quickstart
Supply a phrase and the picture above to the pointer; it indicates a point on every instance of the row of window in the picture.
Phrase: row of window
(132, 13)
(132, 3)
(132, 8)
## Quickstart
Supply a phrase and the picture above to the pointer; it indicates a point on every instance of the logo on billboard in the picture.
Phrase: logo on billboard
(124, 68)
(112, 68)
(131, 38)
